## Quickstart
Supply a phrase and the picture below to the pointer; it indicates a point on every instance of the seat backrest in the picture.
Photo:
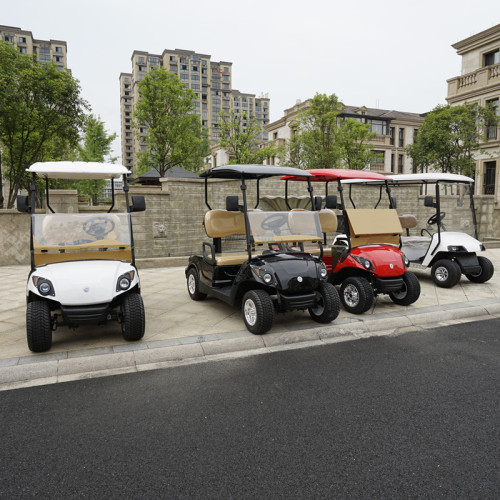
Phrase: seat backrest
(327, 220)
(221, 223)
(408, 221)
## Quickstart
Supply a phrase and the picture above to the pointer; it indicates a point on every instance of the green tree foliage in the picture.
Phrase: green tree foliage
(323, 139)
(239, 136)
(40, 108)
(450, 137)
(173, 131)
(96, 146)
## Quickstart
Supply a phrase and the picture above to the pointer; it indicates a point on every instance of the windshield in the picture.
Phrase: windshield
(59, 237)
(276, 227)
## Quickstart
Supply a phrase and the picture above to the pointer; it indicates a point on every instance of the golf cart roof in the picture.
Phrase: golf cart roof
(333, 174)
(252, 172)
(78, 170)
(425, 178)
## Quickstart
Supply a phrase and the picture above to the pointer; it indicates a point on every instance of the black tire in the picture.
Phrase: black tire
(193, 285)
(133, 317)
(356, 294)
(487, 270)
(38, 326)
(446, 273)
(410, 291)
(328, 304)
(258, 311)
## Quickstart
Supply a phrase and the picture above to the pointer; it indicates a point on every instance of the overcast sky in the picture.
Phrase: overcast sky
(387, 54)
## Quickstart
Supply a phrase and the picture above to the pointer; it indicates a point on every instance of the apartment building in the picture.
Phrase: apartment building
(210, 80)
(45, 50)
(395, 130)
(479, 83)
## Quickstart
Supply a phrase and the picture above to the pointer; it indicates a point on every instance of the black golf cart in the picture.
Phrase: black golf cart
(270, 271)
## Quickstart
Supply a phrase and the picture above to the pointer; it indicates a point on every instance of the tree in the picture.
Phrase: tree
(173, 131)
(351, 138)
(96, 146)
(239, 136)
(323, 139)
(39, 106)
(450, 138)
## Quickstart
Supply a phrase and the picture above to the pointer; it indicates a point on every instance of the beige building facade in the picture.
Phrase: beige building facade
(45, 50)
(479, 83)
(210, 80)
(394, 131)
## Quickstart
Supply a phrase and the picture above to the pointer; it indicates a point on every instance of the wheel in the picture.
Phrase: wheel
(486, 272)
(446, 273)
(328, 304)
(193, 285)
(410, 291)
(258, 311)
(133, 317)
(356, 295)
(38, 326)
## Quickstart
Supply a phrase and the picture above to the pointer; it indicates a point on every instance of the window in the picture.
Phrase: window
(392, 163)
(184, 67)
(22, 50)
(391, 136)
(153, 59)
(59, 50)
(44, 58)
(379, 127)
(195, 69)
(415, 134)
(401, 137)
(8, 38)
(21, 39)
(58, 58)
(491, 129)
(141, 59)
(492, 58)
(44, 49)
(173, 67)
(400, 164)
(490, 168)
(378, 160)
(142, 68)
(172, 58)
(195, 86)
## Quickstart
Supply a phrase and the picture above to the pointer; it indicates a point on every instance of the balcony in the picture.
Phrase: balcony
(462, 86)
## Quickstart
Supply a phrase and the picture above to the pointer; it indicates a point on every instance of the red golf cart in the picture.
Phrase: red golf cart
(364, 258)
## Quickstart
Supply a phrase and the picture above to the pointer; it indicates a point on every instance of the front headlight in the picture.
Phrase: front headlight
(44, 286)
(124, 281)
(406, 261)
(456, 248)
(268, 278)
(367, 264)
(323, 272)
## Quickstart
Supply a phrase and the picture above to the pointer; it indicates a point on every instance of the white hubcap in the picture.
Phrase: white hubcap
(191, 284)
(250, 312)
(441, 274)
(351, 295)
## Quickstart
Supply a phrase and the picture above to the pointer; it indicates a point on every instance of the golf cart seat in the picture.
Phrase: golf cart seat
(222, 224)
(372, 226)
(408, 222)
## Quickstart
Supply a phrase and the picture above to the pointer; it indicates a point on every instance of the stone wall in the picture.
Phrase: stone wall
(172, 225)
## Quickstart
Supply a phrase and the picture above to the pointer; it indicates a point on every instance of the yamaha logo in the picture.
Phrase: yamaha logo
(391, 266)
(299, 279)
(86, 289)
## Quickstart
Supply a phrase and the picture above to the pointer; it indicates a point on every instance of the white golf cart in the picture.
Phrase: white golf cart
(445, 242)
(82, 265)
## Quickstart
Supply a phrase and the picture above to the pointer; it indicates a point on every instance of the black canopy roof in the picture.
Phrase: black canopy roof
(252, 172)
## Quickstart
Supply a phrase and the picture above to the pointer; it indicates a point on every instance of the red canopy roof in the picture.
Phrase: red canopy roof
(333, 174)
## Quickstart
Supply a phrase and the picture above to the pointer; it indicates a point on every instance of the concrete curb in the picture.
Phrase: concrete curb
(53, 368)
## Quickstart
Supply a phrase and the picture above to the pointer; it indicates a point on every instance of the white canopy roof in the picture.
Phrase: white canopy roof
(78, 170)
(426, 178)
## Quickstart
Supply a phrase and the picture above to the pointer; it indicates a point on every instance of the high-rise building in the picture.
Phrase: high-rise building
(45, 50)
(479, 83)
(210, 80)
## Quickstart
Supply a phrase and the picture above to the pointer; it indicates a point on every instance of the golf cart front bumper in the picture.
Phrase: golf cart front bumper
(387, 285)
(96, 313)
(469, 263)
(296, 302)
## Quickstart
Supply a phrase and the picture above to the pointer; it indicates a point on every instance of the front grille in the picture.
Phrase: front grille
(386, 285)
(85, 314)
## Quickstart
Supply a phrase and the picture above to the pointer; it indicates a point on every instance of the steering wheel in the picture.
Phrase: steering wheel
(99, 227)
(274, 221)
(433, 220)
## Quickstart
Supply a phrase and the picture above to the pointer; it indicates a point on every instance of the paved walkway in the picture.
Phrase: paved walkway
(179, 329)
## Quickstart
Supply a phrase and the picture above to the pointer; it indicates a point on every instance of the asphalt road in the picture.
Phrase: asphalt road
(413, 416)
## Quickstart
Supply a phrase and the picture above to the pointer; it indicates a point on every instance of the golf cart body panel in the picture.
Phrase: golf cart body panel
(82, 264)
(93, 282)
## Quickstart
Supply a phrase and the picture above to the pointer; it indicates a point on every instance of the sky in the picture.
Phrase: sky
(393, 55)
